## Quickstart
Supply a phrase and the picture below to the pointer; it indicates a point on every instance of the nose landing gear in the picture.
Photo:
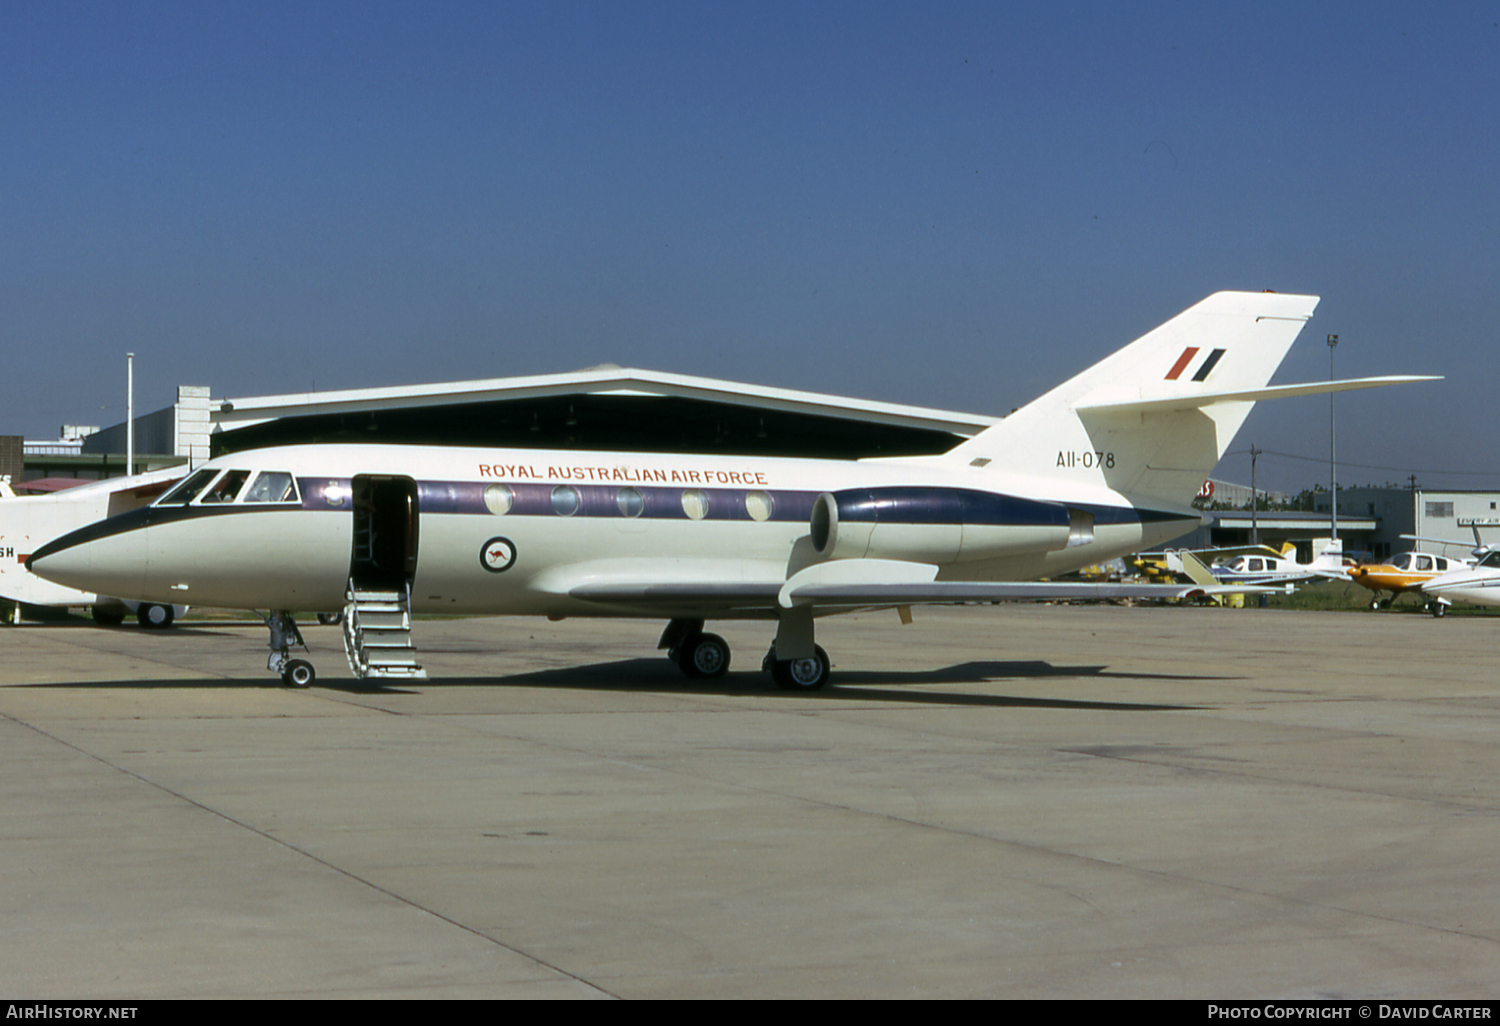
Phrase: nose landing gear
(295, 673)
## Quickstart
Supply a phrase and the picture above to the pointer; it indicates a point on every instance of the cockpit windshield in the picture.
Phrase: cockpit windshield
(273, 486)
(188, 490)
(227, 487)
(1491, 559)
(210, 486)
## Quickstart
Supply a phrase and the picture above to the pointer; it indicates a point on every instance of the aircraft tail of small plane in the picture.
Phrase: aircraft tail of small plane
(1152, 420)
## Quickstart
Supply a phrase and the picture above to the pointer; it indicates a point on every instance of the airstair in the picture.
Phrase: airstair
(377, 633)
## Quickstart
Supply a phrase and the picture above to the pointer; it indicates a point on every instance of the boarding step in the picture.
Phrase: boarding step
(377, 634)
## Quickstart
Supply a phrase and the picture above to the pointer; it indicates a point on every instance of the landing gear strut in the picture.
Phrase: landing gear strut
(295, 673)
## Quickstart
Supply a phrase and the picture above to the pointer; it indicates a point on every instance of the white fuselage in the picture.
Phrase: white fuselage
(518, 531)
(1477, 585)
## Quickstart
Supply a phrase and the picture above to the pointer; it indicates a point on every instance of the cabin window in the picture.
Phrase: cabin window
(695, 503)
(759, 505)
(188, 490)
(1255, 566)
(1424, 562)
(273, 486)
(629, 502)
(565, 501)
(499, 499)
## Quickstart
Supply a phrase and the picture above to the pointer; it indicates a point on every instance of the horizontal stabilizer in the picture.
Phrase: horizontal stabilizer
(1193, 402)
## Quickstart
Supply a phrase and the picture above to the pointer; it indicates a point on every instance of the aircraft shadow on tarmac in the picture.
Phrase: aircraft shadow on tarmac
(658, 676)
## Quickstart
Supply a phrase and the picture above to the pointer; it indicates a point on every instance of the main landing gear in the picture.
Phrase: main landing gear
(700, 655)
(807, 674)
(697, 655)
(295, 673)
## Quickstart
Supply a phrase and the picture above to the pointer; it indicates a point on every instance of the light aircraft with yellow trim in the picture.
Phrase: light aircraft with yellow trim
(1104, 464)
(1403, 574)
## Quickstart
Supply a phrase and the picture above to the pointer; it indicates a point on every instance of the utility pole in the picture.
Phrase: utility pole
(1254, 498)
(129, 414)
(1333, 467)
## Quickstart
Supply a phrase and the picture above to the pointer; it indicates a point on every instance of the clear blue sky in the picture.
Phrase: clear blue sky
(945, 204)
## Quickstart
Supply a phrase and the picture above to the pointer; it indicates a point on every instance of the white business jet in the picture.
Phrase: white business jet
(1105, 464)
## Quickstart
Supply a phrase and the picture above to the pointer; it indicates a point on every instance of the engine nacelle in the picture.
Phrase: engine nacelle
(936, 525)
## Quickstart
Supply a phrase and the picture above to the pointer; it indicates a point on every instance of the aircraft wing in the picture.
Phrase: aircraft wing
(1331, 574)
(1230, 551)
(705, 595)
(855, 583)
(998, 591)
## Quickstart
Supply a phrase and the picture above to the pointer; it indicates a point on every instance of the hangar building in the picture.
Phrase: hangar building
(604, 407)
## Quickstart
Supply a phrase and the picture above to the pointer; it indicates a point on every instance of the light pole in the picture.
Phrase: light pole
(129, 414)
(1254, 498)
(1333, 467)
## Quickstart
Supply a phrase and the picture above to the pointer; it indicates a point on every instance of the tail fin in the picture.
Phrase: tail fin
(1329, 553)
(1153, 419)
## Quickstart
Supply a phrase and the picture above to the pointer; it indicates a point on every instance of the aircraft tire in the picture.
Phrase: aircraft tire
(801, 674)
(154, 615)
(703, 656)
(298, 673)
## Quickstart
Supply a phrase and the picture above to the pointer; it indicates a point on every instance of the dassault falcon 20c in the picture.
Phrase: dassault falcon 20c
(1105, 464)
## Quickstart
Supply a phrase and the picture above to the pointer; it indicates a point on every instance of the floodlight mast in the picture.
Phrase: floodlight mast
(129, 414)
(1333, 467)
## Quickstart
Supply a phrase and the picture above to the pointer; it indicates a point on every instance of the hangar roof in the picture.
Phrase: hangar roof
(605, 407)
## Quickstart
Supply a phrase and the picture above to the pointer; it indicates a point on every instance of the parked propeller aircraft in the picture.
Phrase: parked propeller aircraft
(1405, 573)
(1271, 567)
(1257, 565)
(1104, 464)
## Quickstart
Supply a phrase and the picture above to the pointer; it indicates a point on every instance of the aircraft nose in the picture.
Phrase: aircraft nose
(64, 561)
(107, 557)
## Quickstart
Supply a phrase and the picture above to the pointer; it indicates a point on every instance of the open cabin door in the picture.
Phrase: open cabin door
(382, 565)
(384, 556)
